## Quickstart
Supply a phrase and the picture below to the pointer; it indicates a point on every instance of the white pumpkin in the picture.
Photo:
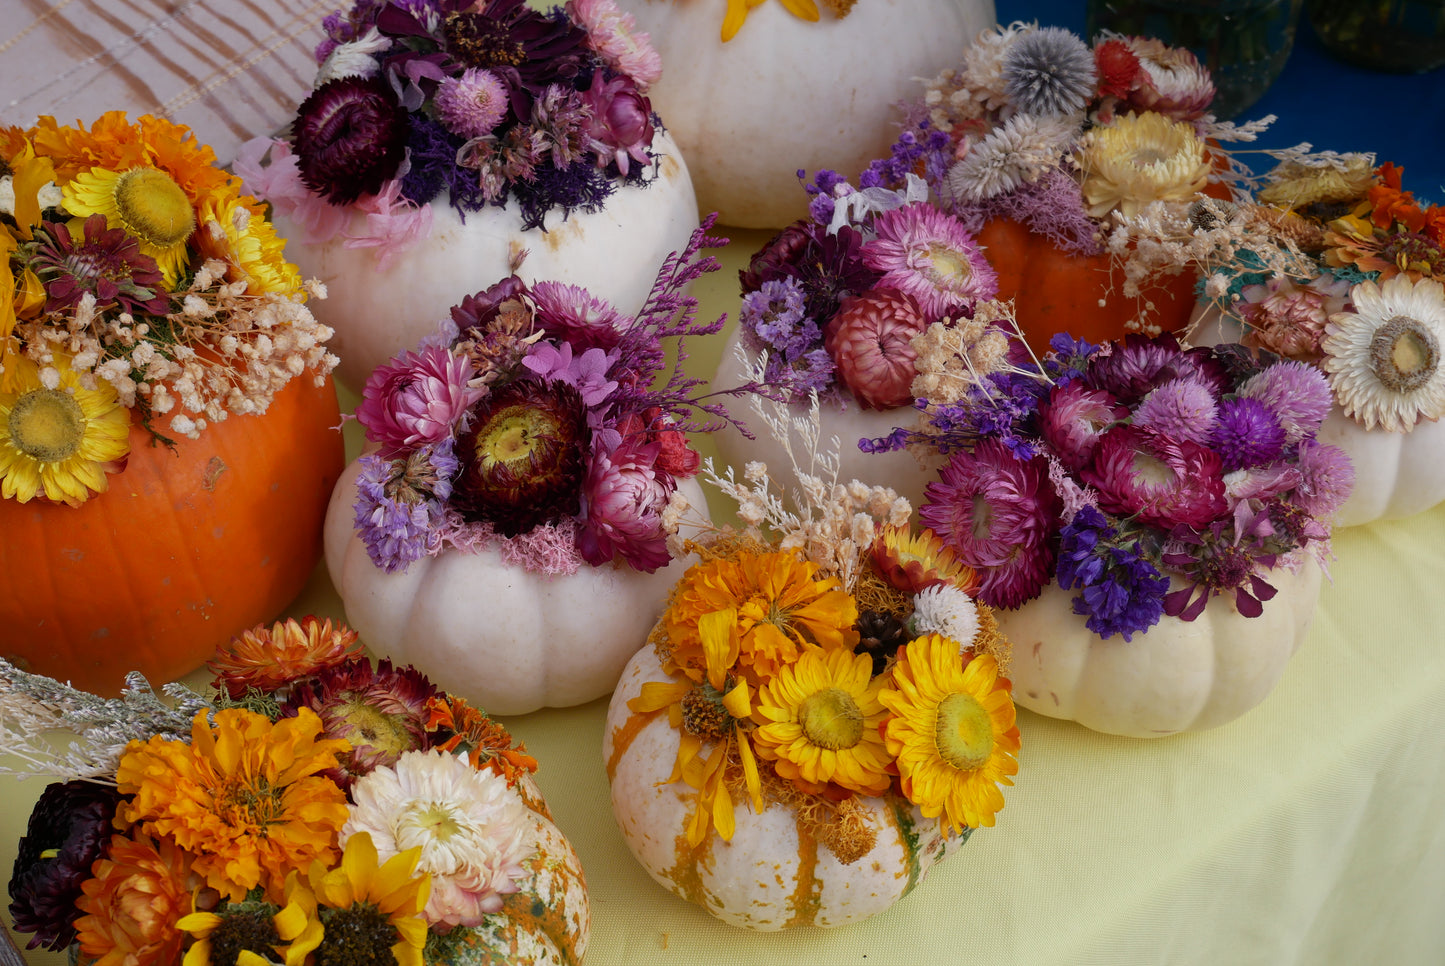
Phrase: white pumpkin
(613, 253)
(507, 639)
(768, 877)
(1396, 474)
(1177, 676)
(785, 94)
(900, 470)
(548, 920)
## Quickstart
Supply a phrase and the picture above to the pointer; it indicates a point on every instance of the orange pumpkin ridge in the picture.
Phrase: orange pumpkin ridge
(807, 896)
(185, 549)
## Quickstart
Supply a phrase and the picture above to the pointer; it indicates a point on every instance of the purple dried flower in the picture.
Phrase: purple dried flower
(475, 312)
(620, 127)
(1328, 477)
(472, 105)
(622, 502)
(416, 399)
(400, 503)
(1131, 368)
(1120, 591)
(1072, 419)
(1247, 434)
(586, 371)
(1160, 481)
(349, 138)
(104, 262)
(1297, 393)
(927, 253)
(778, 258)
(1215, 560)
(772, 315)
(1179, 409)
(562, 117)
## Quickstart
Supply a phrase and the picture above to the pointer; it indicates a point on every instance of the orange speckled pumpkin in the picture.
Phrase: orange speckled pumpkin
(183, 548)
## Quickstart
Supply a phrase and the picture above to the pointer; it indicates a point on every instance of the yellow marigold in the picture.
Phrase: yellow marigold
(1140, 159)
(818, 722)
(245, 797)
(782, 607)
(133, 901)
(110, 142)
(238, 234)
(288, 652)
(952, 731)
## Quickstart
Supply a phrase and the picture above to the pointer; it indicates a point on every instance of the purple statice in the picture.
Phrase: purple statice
(432, 150)
(1213, 561)
(401, 503)
(822, 191)
(772, 320)
(1120, 590)
(920, 146)
(1247, 434)
(1051, 207)
(1067, 358)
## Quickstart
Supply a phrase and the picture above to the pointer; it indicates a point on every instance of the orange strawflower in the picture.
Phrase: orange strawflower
(132, 903)
(487, 744)
(289, 652)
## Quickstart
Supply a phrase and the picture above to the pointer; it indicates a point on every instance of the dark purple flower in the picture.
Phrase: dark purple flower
(105, 262)
(1133, 367)
(475, 312)
(622, 502)
(1120, 591)
(1247, 434)
(349, 137)
(1214, 560)
(620, 128)
(832, 269)
(778, 258)
(68, 831)
(1160, 481)
(1298, 394)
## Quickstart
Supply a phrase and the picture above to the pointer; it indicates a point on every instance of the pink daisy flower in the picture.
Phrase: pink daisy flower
(1162, 481)
(998, 513)
(416, 399)
(928, 254)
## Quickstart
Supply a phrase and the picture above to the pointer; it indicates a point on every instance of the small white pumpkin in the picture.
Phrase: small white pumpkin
(899, 470)
(785, 94)
(1177, 676)
(769, 876)
(548, 920)
(507, 639)
(613, 253)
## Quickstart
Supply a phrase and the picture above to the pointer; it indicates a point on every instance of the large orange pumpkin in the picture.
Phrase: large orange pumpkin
(182, 549)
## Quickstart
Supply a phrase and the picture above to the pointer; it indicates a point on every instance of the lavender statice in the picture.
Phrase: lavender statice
(401, 503)
(1120, 590)
(772, 320)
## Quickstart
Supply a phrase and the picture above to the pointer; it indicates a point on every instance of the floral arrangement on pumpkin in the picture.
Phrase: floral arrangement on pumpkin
(480, 101)
(312, 801)
(532, 423)
(137, 285)
(1144, 475)
(827, 654)
(1334, 264)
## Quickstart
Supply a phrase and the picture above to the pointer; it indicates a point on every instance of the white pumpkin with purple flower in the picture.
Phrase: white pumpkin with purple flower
(444, 137)
(504, 531)
(1148, 520)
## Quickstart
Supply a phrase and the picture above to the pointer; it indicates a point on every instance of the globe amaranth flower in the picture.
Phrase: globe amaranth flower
(349, 137)
(524, 457)
(870, 340)
(1117, 67)
(623, 497)
(1326, 478)
(69, 829)
(1048, 70)
(416, 399)
(1296, 392)
(472, 104)
(621, 125)
(104, 262)
(1248, 434)
(1120, 590)
(1072, 419)
(1179, 409)
(927, 253)
(569, 313)
(999, 514)
(1161, 481)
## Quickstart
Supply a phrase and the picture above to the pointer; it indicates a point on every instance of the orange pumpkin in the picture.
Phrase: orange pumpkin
(183, 548)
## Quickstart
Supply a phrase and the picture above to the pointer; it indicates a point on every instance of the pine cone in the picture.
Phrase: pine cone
(880, 635)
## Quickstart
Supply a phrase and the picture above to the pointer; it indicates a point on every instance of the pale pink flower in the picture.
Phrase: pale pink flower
(392, 224)
(620, 128)
(279, 184)
(472, 105)
(1290, 319)
(929, 254)
(416, 399)
(613, 34)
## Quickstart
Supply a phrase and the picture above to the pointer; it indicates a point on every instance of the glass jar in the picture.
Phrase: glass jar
(1400, 36)
(1244, 43)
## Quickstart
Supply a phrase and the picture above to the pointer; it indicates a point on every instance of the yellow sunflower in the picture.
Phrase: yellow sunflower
(239, 235)
(1139, 159)
(261, 930)
(738, 11)
(146, 202)
(58, 442)
(245, 797)
(818, 722)
(952, 732)
(782, 608)
(344, 902)
(714, 709)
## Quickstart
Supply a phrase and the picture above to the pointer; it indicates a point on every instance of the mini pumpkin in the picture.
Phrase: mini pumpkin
(187, 543)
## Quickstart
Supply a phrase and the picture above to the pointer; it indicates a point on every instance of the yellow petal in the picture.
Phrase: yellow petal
(750, 771)
(247, 958)
(802, 9)
(737, 701)
(199, 954)
(657, 695)
(720, 644)
(31, 174)
(732, 23)
(198, 924)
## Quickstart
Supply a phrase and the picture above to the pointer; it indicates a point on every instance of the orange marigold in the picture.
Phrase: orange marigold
(245, 797)
(289, 651)
(132, 902)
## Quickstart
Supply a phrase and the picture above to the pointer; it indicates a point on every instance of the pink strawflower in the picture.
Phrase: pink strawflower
(620, 129)
(1173, 82)
(870, 340)
(613, 34)
(622, 502)
(1162, 481)
(472, 105)
(416, 399)
(392, 224)
(1179, 409)
(1072, 419)
(1297, 393)
(999, 515)
(569, 313)
(1289, 319)
(928, 254)
(1328, 477)
(279, 184)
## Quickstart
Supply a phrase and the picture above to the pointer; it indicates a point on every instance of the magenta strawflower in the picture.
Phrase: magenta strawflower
(1130, 369)
(416, 400)
(473, 104)
(1000, 516)
(928, 254)
(621, 125)
(1161, 481)
(622, 502)
(572, 314)
(870, 342)
(1179, 409)
(1072, 419)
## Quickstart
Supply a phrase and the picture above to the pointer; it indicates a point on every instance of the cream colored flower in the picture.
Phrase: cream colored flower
(1140, 159)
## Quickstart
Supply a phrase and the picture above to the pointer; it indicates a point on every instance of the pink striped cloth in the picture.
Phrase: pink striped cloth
(229, 69)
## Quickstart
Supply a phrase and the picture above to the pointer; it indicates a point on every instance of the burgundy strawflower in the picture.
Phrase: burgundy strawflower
(1247, 434)
(1133, 367)
(416, 399)
(68, 831)
(870, 342)
(1161, 481)
(623, 497)
(779, 257)
(620, 128)
(105, 262)
(1072, 418)
(476, 311)
(1000, 516)
(350, 138)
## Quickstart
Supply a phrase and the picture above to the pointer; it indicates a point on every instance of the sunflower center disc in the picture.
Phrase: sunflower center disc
(153, 207)
(831, 719)
(1404, 354)
(47, 425)
(963, 732)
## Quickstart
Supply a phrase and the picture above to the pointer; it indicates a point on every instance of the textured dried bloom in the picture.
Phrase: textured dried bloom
(1048, 71)
(473, 104)
(416, 399)
(945, 610)
(870, 340)
(928, 254)
(613, 34)
(105, 262)
(623, 497)
(621, 124)
(1296, 392)
(569, 313)
(132, 903)
(1017, 152)
(1072, 419)
(289, 651)
(1178, 409)
(1139, 159)
(1175, 84)
(350, 138)
(1288, 318)
(1338, 180)
(1163, 482)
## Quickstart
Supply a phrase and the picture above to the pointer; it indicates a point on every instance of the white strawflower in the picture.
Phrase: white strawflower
(946, 610)
(472, 830)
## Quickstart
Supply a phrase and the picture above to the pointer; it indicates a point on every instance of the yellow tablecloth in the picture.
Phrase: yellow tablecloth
(1311, 831)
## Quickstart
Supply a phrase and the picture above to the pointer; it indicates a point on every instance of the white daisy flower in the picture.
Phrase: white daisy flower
(944, 609)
